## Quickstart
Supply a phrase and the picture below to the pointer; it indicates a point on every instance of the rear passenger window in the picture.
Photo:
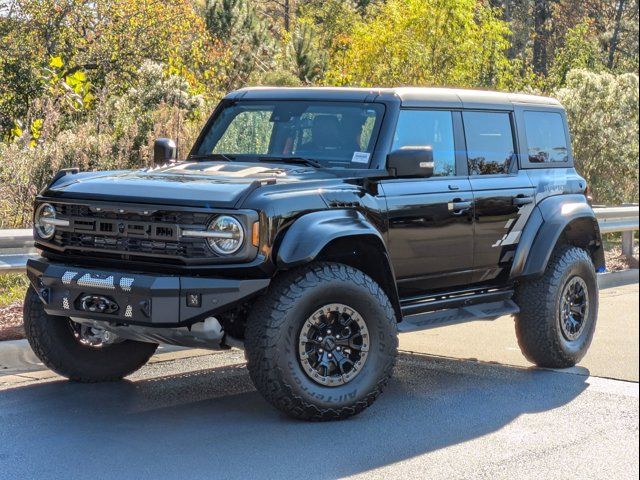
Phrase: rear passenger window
(490, 146)
(432, 128)
(546, 137)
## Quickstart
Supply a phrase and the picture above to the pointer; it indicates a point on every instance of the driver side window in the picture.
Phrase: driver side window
(428, 128)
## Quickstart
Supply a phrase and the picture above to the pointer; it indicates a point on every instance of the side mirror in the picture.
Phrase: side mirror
(164, 150)
(411, 162)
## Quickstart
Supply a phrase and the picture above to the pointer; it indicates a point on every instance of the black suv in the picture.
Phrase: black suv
(309, 226)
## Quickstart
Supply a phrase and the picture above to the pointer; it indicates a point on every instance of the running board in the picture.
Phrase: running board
(452, 316)
(454, 299)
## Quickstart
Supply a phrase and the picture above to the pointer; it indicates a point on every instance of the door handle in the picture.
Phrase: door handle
(522, 200)
(459, 206)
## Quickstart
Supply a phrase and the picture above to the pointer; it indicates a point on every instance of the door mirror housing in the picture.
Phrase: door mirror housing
(411, 162)
(164, 151)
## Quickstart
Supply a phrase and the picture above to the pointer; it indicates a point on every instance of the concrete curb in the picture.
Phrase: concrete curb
(617, 279)
(18, 360)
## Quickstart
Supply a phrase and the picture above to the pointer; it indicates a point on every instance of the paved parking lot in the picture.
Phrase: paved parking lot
(613, 353)
(193, 414)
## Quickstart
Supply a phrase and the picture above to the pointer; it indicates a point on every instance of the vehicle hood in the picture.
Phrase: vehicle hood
(221, 184)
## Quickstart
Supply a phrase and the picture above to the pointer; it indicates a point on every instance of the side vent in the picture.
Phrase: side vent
(344, 204)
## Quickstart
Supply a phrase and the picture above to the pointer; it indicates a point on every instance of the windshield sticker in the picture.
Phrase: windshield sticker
(360, 157)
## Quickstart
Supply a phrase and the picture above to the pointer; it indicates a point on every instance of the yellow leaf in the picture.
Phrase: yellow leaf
(56, 62)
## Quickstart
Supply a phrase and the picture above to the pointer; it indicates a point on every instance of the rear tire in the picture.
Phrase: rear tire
(299, 305)
(54, 342)
(558, 311)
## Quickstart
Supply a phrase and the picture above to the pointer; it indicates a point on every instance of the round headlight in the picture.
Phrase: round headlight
(43, 221)
(228, 237)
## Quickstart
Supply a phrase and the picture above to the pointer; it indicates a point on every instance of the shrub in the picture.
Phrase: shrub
(118, 134)
(603, 117)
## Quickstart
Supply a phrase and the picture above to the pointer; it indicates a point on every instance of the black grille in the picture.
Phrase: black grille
(159, 216)
(108, 231)
(132, 245)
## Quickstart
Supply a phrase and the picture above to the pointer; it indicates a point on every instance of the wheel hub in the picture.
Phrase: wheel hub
(574, 308)
(333, 345)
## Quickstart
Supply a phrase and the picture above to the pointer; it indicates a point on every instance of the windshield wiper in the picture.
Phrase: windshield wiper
(298, 160)
(213, 156)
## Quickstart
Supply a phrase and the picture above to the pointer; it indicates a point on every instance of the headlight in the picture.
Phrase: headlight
(45, 221)
(225, 235)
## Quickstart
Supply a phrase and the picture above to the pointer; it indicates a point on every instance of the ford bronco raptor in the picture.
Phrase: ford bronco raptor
(309, 226)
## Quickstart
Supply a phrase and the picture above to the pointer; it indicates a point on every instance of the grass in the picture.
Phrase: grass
(12, 287)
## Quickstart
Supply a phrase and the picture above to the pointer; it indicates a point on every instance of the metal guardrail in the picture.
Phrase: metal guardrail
(16, 246)
(619, 219)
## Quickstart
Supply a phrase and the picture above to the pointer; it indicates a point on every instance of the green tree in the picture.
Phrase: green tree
(237, 25)
(100, 43)
(580, 51)
(307, 56)
(426, 42)
(333, 21)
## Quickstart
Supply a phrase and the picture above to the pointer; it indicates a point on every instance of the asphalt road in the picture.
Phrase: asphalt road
(191, 415)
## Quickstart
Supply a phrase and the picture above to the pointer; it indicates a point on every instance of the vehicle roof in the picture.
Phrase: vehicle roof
(409, 96)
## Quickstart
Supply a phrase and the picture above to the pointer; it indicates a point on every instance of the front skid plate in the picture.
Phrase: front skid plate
(141, 298)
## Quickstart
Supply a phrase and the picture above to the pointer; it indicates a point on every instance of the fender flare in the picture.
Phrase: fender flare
(309, 234)
(548, 221)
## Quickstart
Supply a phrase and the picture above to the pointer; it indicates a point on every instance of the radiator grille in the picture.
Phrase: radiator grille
(113, 232)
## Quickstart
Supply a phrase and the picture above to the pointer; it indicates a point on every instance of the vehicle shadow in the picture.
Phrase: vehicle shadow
(213, 424)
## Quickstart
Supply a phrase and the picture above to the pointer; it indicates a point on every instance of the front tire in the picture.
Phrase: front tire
(322, 343)
(55, 342)
(558, 311)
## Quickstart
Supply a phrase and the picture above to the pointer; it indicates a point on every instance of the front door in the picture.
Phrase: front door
(430, 219)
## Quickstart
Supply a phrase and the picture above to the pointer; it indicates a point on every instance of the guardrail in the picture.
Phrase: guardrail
(619, 219)
(16, 246)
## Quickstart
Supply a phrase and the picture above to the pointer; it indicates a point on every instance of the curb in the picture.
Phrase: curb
(617, 279)
(17, 360)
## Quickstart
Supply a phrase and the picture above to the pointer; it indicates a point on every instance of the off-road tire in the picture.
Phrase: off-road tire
(538, 324)
(273, 331)
(54, 343)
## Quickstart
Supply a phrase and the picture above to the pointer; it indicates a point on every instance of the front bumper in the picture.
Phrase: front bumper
(134, 298)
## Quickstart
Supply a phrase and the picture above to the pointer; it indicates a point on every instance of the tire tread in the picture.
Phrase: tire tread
(41, 335)
(537, 301)
(267, 324)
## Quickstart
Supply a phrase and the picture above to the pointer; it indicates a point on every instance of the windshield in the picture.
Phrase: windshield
(338, 134)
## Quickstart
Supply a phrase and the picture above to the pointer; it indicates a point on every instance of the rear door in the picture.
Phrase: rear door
(431, 219)
(501, 192)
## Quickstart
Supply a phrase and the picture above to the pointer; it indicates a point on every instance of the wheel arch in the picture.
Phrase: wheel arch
(561, 219)
(342, 236)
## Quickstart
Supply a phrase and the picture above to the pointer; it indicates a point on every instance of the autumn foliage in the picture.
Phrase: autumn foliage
(92, 83)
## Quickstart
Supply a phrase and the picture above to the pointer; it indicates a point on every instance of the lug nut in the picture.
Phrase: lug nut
(328, 332)
(330, 356)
